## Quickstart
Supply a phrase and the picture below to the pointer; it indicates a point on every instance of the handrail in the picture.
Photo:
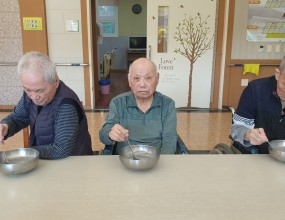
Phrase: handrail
(57, 64)
(240, 64)
(72, 64)
(8, 64)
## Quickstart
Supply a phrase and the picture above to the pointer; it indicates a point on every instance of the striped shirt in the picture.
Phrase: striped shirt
(66, 128)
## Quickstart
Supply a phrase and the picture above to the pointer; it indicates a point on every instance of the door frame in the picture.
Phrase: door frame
(216, 93)
(94, 47)
(218, 54)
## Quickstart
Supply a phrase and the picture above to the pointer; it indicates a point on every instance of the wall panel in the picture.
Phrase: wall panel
(11, 51)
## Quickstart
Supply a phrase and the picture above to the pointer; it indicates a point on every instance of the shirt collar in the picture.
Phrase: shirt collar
(156, 102)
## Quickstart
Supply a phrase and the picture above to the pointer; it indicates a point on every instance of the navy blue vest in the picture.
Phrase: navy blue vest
(267, 109)
(42, 125)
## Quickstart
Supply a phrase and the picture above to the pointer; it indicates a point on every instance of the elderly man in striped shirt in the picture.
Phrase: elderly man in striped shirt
(58, 124)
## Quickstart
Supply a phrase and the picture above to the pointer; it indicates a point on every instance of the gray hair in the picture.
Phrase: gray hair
(38, 63)
(282, 65)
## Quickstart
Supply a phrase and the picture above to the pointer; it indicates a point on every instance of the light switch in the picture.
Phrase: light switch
(244, 82)
(277, 48)
(269, 48)
(261, 49)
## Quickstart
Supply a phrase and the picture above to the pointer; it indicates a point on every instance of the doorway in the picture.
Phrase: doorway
(215, 93)
(134, 25)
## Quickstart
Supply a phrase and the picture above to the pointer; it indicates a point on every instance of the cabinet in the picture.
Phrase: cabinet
(132, 55)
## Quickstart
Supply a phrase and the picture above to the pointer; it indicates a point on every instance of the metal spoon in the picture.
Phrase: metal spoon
(281, 148)
(269, 144)
(276, 147)
(134, 157)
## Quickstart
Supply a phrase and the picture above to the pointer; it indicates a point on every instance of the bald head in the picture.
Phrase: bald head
(143, 62)
(143, 79)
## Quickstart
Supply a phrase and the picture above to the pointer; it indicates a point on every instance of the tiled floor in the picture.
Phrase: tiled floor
(200, 130)
(119, 84)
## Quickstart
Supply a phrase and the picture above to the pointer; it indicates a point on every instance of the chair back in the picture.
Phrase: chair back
(26, 136)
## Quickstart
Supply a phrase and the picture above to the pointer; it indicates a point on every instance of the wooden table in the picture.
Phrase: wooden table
(179, 187)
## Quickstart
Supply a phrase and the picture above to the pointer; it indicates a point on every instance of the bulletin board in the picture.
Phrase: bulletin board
(265, 21)
(245, 49)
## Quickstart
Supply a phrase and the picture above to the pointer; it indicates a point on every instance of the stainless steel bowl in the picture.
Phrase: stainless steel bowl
(148, 157)
(18, 161)
(277, 149)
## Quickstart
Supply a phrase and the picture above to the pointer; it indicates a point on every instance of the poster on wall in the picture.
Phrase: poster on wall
(266, 21)
(180, 39)
(32, 24)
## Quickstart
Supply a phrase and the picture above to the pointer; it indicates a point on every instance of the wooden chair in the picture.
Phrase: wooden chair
(26, 136)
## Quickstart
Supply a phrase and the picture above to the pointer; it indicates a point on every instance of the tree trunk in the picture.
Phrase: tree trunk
(190, 86)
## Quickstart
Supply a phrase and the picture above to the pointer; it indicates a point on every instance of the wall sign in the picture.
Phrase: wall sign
(266, 21)
(32, 23)
(72, 25)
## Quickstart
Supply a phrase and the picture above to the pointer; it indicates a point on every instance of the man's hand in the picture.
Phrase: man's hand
(118, 133)
(256, 136)
(3, 132)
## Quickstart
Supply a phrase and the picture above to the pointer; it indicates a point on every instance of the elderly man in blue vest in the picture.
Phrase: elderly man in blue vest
(58, 124)
(261, 111)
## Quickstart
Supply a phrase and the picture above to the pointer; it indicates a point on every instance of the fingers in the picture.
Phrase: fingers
(256, 136)
(1, 137)
(262, 134)
(118, 133)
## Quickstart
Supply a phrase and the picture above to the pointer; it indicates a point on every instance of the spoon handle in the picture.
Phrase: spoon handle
(134, 157)
(130, 147)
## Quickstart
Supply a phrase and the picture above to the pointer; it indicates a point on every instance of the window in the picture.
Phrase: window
(108, 17)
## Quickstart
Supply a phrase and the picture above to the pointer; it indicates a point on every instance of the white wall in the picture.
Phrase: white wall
(64, 46)
(11, 50)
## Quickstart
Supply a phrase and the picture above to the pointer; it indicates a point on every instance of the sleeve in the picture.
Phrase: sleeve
(238, 132)
(169, 132)
(246, 106)
(243, 119)
(111, 120)
(66, 131)
(18, 119)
